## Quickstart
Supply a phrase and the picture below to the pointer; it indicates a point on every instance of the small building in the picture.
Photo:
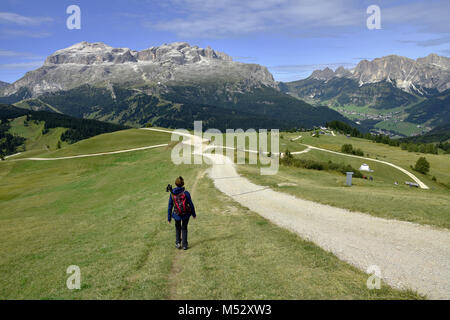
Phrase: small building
(365, 167)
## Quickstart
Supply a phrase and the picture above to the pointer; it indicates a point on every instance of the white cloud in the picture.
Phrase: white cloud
(8, 33)
(14, 18)
(9, 53)
(22, 65)
(228, 18)
(430, 42)
(222, 18)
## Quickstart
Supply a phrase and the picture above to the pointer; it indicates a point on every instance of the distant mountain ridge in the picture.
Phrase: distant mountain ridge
(414, 93)
(430, 72)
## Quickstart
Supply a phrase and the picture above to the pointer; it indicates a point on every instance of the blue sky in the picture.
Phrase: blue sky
(291, 37)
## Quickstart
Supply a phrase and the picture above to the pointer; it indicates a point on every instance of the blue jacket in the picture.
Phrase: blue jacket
(171, 214)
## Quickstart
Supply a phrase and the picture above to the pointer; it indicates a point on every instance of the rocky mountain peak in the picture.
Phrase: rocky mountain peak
(90, 54)
(432, 71)
(99, 53)
(325, 74)
(100, 64)
(435, 60)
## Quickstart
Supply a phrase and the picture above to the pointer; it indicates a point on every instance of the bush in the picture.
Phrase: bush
(348, 148)
(289, 160)
(422, 165)
(358, 152)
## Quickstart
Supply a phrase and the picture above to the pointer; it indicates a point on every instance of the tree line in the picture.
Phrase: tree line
(8, 142)
(78, 129)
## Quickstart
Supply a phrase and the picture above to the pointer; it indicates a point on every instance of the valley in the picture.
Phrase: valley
(391, 95)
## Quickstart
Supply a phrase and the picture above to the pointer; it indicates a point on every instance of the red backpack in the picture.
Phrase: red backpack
(181, 206)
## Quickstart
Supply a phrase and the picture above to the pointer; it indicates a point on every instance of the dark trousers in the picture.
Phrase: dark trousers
(181, 231)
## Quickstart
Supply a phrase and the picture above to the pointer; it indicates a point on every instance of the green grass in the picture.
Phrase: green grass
(379, 197)
(362, 109)
(440, 164)
(403, 127)
(119, 140)
(108, 216)
(33, 133)
(115, 141)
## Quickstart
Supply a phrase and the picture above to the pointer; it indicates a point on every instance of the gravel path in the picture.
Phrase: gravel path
(408, 255)
(93, 154)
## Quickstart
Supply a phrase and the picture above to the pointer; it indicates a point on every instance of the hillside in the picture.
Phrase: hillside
(23, 129)
(438, 134)
(108, 216)
(342, 91)
(262, 108)
(379, 197)
(434, 111)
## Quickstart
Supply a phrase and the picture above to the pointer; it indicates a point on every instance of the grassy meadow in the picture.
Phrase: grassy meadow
(379, 197)
(108, 215)
(36, 141)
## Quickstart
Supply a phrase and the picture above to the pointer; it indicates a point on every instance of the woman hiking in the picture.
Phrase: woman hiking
(180, 209)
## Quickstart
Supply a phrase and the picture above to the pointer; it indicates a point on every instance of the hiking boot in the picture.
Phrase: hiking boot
(178, 245)
(185, 248)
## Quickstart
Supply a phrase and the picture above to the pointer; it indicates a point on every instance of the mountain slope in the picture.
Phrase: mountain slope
(390, 93)
(178, 109)
(19, 126)
(434, 111)
(3, 84)
(438, 134)
(343, 91)
(263, 101)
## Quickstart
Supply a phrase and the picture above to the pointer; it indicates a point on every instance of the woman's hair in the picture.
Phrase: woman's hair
(179, 181)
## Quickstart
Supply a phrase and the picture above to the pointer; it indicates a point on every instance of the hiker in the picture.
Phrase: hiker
(180, 208)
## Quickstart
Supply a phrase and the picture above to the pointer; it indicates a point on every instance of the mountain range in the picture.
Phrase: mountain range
(393, 89)
(168, 85)
(173, 84)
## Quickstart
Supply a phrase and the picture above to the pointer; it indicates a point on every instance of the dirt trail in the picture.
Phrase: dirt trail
(409, 174)
(92, 154)
(176, 263)
(408, 255)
